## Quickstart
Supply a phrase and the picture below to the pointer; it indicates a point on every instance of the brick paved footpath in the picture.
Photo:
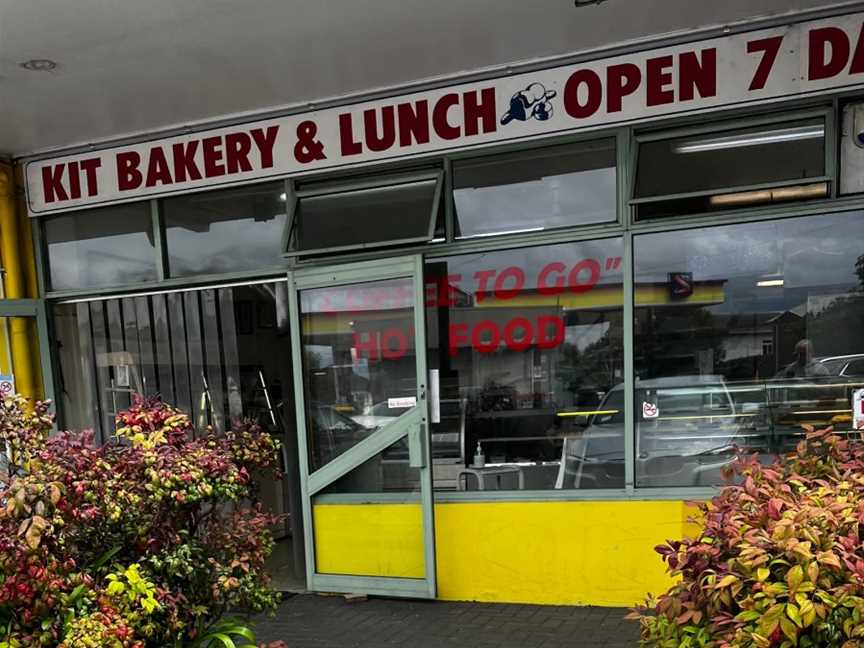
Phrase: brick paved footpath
(310, 621)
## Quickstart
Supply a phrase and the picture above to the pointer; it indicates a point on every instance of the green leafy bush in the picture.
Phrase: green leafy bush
(779, 561)
(148, 541)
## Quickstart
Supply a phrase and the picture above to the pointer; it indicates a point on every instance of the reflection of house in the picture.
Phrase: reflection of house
(741, 346)
(786, 329)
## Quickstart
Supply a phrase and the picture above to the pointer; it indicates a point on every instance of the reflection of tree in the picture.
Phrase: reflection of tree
(594, 368)
(670, 341)
(311, 360)
(837, 329)
(859, 270)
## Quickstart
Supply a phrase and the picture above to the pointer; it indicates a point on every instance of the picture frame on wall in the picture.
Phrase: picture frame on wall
(266, 315)
(245, 323)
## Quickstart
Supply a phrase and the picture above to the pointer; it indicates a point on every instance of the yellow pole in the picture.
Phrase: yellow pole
(14, 281)
(25, 234)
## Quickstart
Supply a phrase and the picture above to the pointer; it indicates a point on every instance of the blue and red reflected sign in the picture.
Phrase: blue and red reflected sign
(680, 285)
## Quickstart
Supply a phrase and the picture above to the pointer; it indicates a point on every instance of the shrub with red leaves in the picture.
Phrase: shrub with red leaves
(779, 560)
(143, 542)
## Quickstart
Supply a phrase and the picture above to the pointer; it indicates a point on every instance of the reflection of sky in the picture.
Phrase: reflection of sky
(388, 294)
(243, 244)
(583, 336)
(322, 353)
(812, 255)
(555, 201)
(105, 261)
(531, 260)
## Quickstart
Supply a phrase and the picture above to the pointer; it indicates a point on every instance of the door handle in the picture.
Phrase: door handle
(417, 445)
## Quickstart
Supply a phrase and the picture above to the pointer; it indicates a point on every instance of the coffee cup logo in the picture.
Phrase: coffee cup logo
(534, 102)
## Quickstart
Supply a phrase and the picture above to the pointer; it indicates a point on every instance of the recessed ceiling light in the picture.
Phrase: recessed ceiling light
(768, 283)
(39, 65)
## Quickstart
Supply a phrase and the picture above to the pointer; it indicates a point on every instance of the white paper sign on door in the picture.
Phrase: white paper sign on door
(400, 403)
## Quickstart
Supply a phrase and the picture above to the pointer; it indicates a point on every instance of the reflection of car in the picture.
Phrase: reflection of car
(846, 365)
(687, 431)
(333, 433)
(447, 435)
(379, 415)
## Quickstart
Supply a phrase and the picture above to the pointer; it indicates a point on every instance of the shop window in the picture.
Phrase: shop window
(731, 169)
(359, 364)
(225, 231)
(547, 188)
(218, 354)
(744, 333)
(377, 212)
(94, 248)
(525, 348)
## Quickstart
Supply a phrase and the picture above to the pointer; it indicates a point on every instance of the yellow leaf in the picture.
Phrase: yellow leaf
(813, 572)
(793, 613)
(762, 574)
(789, 630)
(794, 577)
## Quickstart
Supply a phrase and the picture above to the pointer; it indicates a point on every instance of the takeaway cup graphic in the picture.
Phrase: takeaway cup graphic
(531, 103)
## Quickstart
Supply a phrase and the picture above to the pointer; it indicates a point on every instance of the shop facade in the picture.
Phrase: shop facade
(505, 328)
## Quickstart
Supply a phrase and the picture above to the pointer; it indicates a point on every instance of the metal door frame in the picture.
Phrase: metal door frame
(34, 308)
(413, 424)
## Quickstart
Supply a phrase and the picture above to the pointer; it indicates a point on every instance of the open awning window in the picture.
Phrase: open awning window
(707, 171)
(388, 210)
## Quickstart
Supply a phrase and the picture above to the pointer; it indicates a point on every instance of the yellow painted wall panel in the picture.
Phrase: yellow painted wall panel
(557, 553)
(369, 539)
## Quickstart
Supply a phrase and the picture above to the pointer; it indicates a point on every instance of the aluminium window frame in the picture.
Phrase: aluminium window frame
(628, 138)
(830, 177)
(537, 150)
(351, 185)
(41, 258)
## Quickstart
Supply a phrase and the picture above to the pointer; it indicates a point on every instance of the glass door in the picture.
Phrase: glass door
(360, 365)
(25, 360)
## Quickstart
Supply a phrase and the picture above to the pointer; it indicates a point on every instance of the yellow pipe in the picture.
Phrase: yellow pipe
(26, 236)
(14, 282)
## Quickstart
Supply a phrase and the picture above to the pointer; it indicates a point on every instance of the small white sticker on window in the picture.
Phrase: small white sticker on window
(858, 410)
(400, 403)
(650, 410)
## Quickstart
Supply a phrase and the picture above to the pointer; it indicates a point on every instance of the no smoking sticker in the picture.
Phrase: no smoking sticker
(650, 410)
(7, 385)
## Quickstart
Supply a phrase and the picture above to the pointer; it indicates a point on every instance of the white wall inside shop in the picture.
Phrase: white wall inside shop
(131, 67)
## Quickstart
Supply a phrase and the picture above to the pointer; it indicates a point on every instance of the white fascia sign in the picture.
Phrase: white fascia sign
(789, 61)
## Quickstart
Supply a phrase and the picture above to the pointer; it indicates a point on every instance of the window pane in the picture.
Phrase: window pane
(386, 472)
(359, 362)
(225, 231)
(101, 247)
(219, 354)
(12, 328)
(722, 160)
(737, 333)
(395, 213)
(544, 189)
(527, 344)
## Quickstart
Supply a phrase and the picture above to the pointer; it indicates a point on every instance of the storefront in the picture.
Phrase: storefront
(506, 328)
